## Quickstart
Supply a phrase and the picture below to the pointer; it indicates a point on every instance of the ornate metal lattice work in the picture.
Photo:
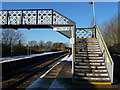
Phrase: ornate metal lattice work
(58, 19)
(14, 17)
(29, 17)
(33, 17)
(45, 17)
(3, 17)
(85, 34)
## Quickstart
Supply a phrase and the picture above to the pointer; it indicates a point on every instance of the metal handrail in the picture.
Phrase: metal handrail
(105, 47)
(106, 53)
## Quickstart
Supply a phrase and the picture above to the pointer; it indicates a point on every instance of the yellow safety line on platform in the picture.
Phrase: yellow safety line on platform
(96, 83)
(85, 38)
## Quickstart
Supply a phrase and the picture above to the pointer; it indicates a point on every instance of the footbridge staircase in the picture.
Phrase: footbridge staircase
(91, 62)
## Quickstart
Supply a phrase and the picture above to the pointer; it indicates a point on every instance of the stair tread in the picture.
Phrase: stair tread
(92, 76)
(91, 70)
(81, 46)
(90, 55)
(88, 58)
(93, 80)
(91, 66)
(78, 44)
(89, 50)
(85, 63)
(88, 62)
(86, 43)
(100, 69)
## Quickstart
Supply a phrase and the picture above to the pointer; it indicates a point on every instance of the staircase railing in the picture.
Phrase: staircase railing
(106, 54)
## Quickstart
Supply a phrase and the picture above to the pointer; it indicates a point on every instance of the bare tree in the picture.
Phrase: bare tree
(10, 36)
(10, 39)
(41, 43)
(33, 43)
(48, 43)
(59, 46)
(110, 31)
(111, 34)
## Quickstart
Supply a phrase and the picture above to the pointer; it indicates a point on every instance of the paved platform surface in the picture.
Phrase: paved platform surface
(60, 77)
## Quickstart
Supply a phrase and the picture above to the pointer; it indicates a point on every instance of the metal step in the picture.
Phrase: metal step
(86, 41)
(90, 43)
(87, 45)
(92, 64)
(92, 74)
(91, 67)
(92, 79)
(79, 55)
(87, 48)
(98, 50)
(90, 61)
(93, 71)
(95, 52)
(89, 58)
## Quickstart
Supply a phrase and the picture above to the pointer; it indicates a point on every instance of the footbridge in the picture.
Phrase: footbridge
(91, 60)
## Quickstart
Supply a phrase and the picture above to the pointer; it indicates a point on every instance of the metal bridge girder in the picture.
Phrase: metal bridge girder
(34, 17)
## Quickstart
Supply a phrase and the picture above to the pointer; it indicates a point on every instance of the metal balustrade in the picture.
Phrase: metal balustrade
(33, 17)
(85, 33)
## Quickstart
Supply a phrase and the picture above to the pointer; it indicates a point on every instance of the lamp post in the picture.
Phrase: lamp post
(93, 7)
(94, 17)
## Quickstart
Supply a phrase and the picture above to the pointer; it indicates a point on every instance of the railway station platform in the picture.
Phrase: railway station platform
(60, 77)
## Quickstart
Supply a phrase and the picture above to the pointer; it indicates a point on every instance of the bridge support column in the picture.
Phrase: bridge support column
(72, 41)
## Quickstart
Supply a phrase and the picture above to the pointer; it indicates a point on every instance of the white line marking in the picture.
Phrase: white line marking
(49, 70)
(65, 58)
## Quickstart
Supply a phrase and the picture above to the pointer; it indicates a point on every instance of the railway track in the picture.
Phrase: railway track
(15, 81)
